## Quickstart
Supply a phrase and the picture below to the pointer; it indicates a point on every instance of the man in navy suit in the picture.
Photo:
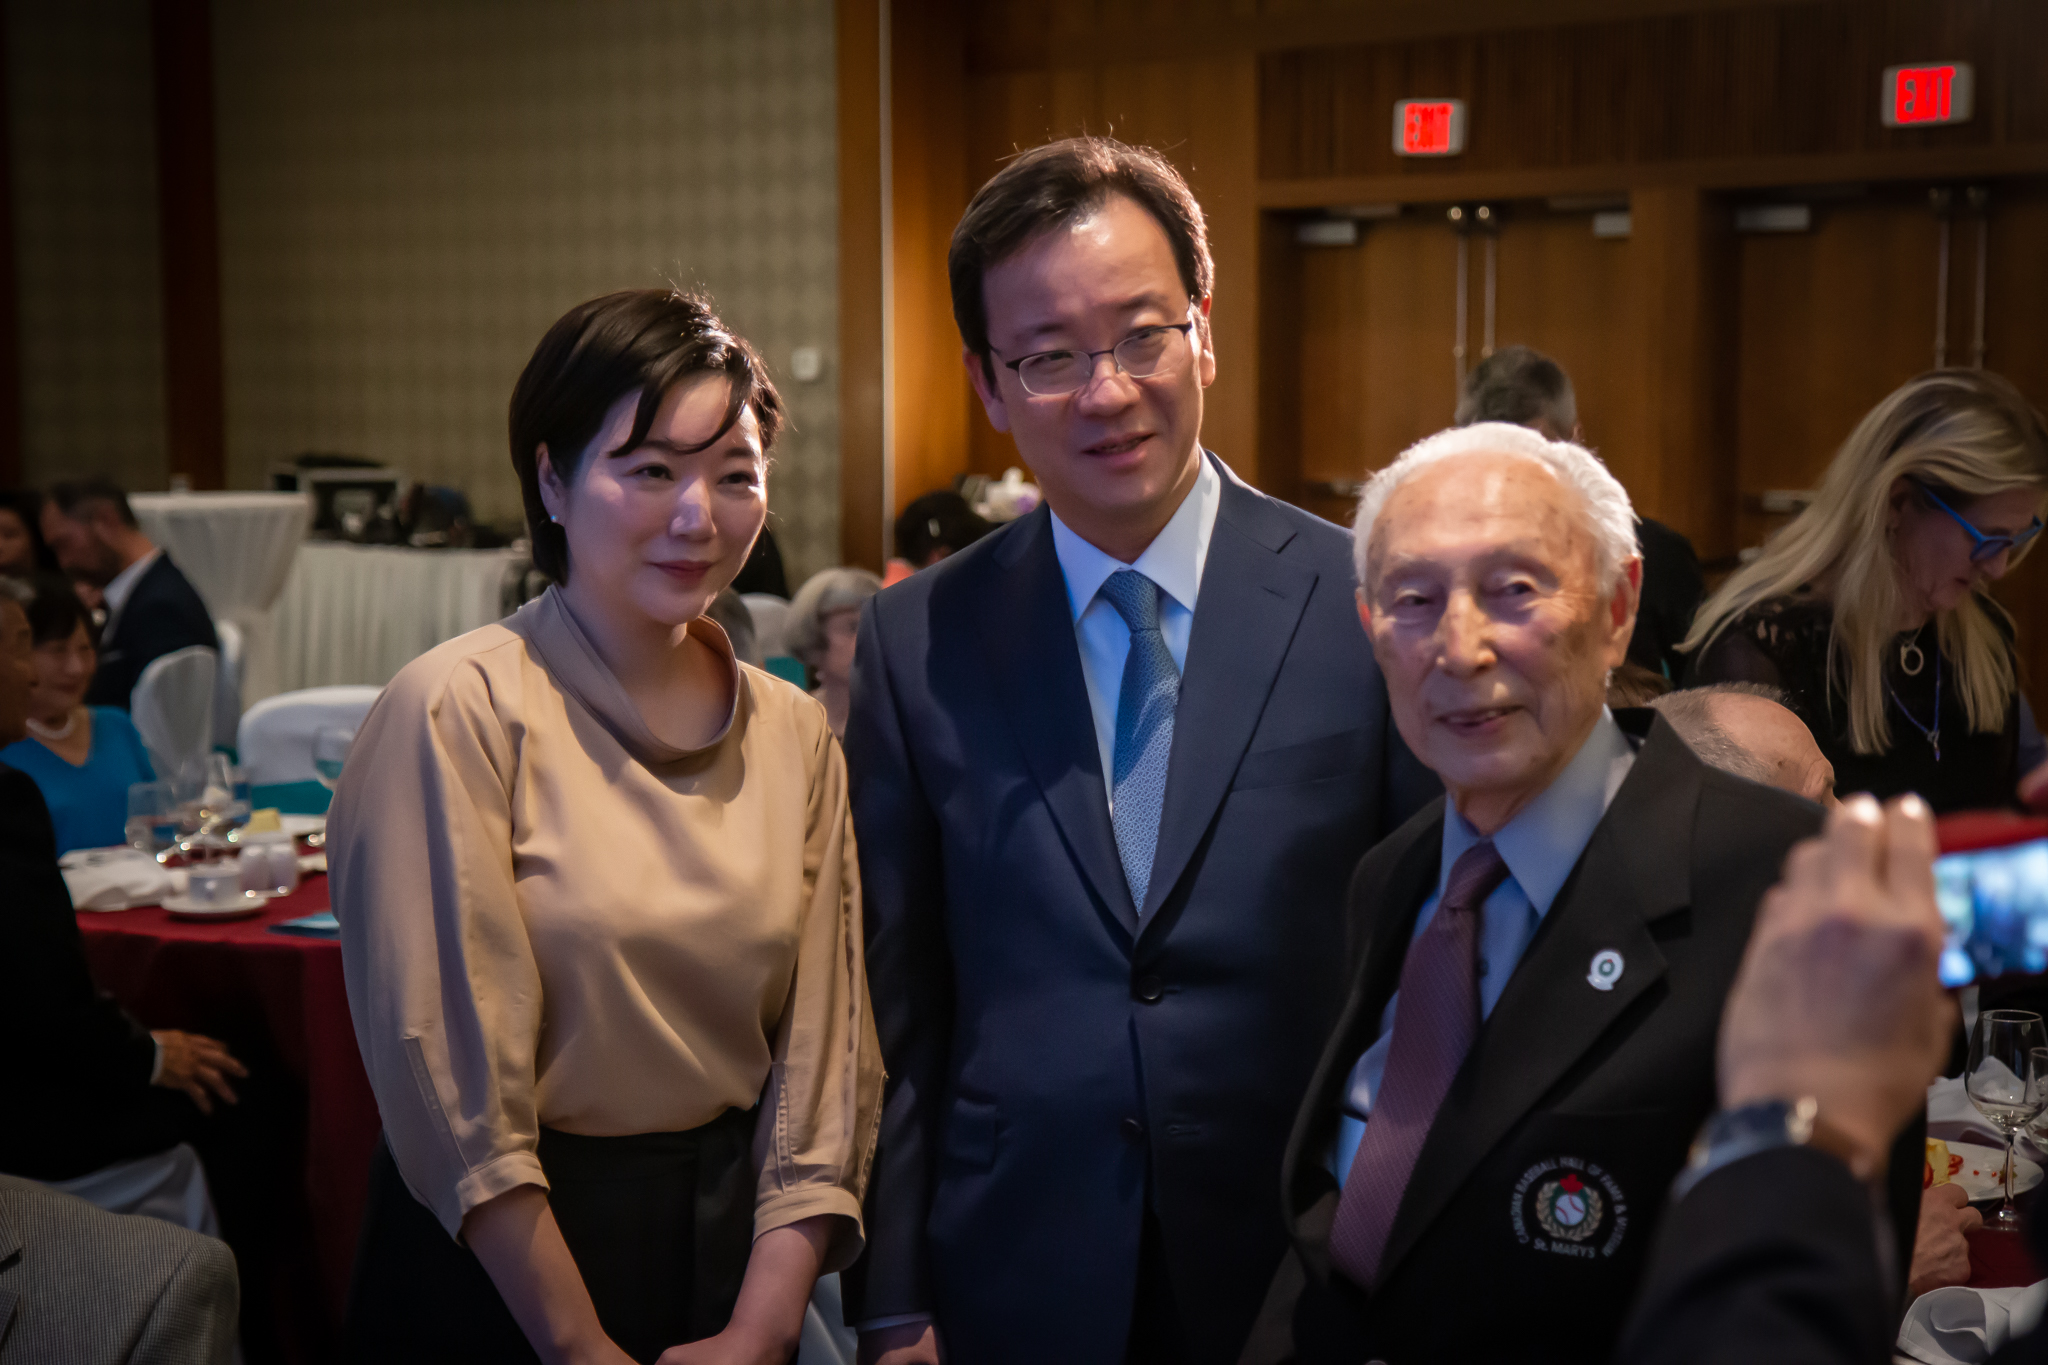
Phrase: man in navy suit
(1111, 767)
(152, 608)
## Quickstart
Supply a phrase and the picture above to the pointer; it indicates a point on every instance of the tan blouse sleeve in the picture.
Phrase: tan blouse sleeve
(441, 976)
(822, 1107)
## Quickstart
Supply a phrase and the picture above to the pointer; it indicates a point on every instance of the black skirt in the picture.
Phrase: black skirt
(660, 1225)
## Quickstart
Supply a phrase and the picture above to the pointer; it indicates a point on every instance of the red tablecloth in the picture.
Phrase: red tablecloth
(237, 979)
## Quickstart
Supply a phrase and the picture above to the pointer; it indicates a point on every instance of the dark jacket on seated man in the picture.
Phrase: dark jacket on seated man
(1580, 1080)
(80, 1066)
(162, 614)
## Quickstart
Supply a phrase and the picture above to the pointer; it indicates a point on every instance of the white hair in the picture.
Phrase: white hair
(1609, 515)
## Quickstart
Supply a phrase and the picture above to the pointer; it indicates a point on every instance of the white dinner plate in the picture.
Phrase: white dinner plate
(1983, 1171)
(249, 903)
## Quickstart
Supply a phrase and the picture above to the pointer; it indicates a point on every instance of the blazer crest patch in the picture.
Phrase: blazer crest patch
(1569, 1206)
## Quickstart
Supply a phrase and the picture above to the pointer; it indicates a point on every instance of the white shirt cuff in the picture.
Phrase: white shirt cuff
(156, 1068)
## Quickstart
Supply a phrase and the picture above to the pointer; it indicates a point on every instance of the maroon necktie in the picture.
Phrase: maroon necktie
(1434, 1025)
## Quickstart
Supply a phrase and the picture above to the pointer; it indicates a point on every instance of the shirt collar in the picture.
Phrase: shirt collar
(1173, 560)
(123, 583)
(1543, 842)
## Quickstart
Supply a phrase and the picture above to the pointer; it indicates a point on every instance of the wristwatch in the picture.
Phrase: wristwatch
(1729, 1135)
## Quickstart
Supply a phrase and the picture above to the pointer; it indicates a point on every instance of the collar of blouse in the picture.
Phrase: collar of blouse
(569, 657)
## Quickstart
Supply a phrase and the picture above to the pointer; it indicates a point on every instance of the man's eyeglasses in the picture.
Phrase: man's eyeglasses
(1142, 354)
(1983, 547)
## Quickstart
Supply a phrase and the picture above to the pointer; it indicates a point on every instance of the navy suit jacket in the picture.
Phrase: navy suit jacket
(1053, 1055)
(163, 614)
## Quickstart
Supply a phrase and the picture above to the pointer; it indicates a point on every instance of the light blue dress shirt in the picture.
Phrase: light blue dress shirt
(1174, 561)
(1540, 845)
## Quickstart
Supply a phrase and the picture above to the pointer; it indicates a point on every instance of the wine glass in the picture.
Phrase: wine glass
(227, 793)
(331, 744)
(2001, 1081)
(149, 827)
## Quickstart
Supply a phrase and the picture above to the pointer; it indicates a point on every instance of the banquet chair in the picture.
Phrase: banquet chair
(771, 621)
(173, 708)
(276, 735)
(227, 684)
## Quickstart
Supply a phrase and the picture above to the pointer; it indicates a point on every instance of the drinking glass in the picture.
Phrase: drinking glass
(227, 793)
(331, 744)
(149, 827)
(2002, 1082)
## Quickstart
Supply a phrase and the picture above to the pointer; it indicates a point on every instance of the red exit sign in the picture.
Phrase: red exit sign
(1922, 95)
(1429, 127)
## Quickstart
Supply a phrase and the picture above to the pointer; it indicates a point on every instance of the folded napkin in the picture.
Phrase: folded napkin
(321, 924)
(117, 879)
(1950, 1115)
(1948, 1326)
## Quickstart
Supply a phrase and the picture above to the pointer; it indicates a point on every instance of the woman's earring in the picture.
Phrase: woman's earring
(556, 520)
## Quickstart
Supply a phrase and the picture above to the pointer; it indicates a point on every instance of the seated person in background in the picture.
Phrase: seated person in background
(152, 608)
(22, 551)
(1835, 1027)
(932, 527)
(80, 1284)
(1633, 685)
(1872, 609)
(84, 758)
(1541, 958)
(730, 611)
(824, 621)
(98, 1085)
(1746, 729)
(1521, 385)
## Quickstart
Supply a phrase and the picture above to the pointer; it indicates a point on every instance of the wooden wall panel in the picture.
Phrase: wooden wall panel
(1202, 115)
(863, 334)
(1789, 79)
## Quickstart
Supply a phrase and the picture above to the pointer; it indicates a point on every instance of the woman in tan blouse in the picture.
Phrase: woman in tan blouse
(600, 911)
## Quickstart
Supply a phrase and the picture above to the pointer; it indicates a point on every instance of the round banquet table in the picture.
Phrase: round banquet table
(237, 980)
(359, 613)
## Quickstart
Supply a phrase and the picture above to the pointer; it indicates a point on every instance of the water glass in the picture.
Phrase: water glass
(2002, 1081)
(150, 825)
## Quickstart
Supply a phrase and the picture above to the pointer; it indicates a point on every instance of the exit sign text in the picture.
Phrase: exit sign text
(1429, 127)
(1932, 93)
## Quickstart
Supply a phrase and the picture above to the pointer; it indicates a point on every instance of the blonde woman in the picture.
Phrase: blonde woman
(1871, 610)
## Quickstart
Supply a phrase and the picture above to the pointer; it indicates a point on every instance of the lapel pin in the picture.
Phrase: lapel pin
(1606, 970)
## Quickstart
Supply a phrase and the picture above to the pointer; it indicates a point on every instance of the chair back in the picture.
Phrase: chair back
(276, 735)
(172, 707)
(771, 621)
(227, 684)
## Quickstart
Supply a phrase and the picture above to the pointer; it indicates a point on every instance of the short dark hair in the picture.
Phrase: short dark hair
(940, 518)
(643, 341)
(72, 496)
(27, 506)
(54, 611)
(1521, 385)
(1059, 183)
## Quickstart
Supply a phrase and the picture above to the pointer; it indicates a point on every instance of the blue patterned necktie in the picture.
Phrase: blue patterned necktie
(1144, 729)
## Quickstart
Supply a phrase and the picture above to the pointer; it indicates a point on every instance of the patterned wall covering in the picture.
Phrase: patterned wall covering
(81, 122)
(411, 193)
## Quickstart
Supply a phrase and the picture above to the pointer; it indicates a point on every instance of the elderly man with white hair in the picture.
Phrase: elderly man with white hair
(1539, 959)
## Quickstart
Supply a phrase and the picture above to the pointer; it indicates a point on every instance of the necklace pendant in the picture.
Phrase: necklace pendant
(1911, 660)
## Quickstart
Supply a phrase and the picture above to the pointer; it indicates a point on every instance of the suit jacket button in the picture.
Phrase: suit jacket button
(1132, 1130)
(1149, 989)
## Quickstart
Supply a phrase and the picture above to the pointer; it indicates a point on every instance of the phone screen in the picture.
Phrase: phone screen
(1995, 903)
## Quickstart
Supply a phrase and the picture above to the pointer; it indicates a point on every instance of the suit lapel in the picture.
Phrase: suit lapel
(1250, 602)
(1635, 870)
(1028, 632)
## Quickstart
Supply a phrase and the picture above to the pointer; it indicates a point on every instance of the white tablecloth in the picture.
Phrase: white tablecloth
(238, 549)
(359, 613)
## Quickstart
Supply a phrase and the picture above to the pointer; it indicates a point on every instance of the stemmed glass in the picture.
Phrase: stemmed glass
(2004, 1084)
(331, 744)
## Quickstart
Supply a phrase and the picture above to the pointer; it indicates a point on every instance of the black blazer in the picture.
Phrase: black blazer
(1052, 1065)
(77, 1095)
(163, 614)
(1774, 1258)
(1606, 1087)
